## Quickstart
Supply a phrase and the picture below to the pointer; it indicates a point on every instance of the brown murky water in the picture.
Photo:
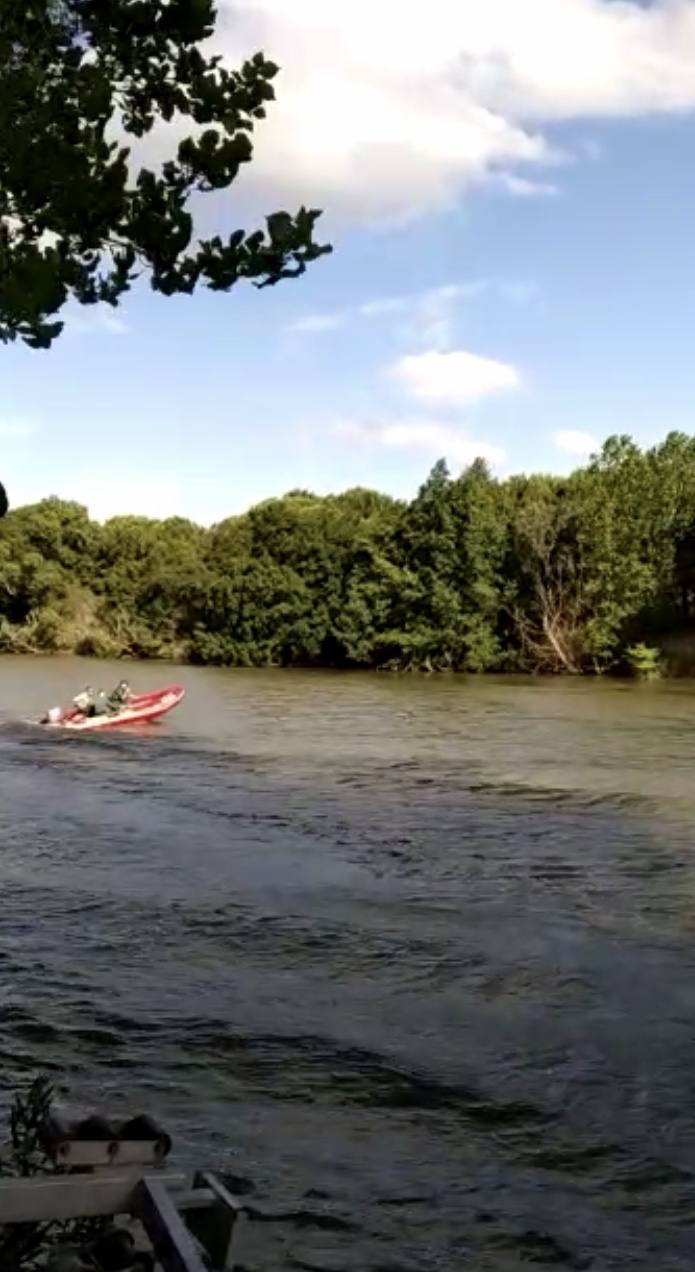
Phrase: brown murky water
(412, 960)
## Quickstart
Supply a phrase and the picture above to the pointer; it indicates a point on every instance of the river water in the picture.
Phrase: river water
(411, 961)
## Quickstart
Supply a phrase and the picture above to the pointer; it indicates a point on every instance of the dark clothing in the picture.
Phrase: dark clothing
(118, 698)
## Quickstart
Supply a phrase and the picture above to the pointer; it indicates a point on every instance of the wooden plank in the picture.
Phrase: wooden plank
(173, 1244)
(193, 1199)
(216, 1225)
(40, 1199)
(204, 1179)
(227, 1221)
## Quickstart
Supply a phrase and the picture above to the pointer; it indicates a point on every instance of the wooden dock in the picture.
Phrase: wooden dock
(170, 1220)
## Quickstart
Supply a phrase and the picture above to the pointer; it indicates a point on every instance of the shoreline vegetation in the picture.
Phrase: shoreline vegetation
(590, 573)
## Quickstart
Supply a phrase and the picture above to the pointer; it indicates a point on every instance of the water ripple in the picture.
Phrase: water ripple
(419, 982)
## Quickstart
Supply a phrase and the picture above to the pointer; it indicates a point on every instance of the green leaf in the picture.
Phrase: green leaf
(66, 69)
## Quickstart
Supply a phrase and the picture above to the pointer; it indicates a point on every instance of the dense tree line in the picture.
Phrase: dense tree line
(475, 574)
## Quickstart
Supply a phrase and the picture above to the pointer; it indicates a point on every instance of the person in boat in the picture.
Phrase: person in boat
(89, 703)
(84, 700)
(101, 704)
(119, 697)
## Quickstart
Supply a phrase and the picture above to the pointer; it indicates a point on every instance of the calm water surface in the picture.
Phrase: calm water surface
(411, 960)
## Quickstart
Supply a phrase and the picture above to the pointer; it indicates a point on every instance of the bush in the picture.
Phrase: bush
(98, 644)
(644, 662)
(27, 1247)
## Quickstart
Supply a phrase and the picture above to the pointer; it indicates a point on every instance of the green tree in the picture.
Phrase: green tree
(429, 616)
(616, 499)
(672, 486)
(585, 557)
(148, 577)
(76, 220)
(46, 552)
(454, 540)
(480, 517)
(546, 596)
(368, 581)
(474, 574)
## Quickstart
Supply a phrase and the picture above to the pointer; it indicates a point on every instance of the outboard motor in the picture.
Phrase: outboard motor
(53, 716)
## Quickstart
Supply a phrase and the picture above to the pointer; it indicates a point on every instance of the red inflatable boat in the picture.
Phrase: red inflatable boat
(140, 708)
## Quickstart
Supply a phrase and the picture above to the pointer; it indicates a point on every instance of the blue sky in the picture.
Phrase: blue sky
(521, 289)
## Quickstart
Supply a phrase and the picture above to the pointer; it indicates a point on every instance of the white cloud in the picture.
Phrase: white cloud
(331, 320)
(456, 378)
(423, 436)
(432, 313)
(518, 292)
(95, 320)
(391, 110)
(115, 495)
(574, 442)
(523, 188)
(444, 296)
(318, 322)
(15, 429)
(156, 497)
(433, 318)
(110, 323)
(429, 313)
(387, 305)
(592, 148)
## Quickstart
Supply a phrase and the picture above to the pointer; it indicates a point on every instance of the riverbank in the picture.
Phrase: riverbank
(672, 659)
